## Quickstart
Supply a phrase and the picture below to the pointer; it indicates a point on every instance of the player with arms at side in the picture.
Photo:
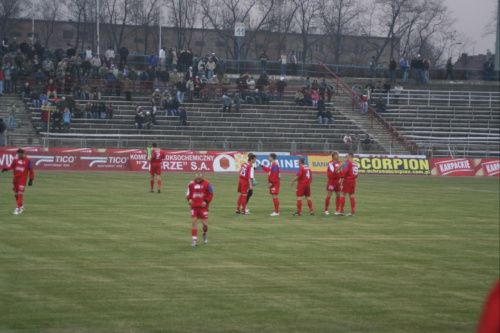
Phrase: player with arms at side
(273, 180)
(155, 161)
(348, 183)
(304, 179)
(245, 184)
(199, 195)
(333, 185)
(23, 167)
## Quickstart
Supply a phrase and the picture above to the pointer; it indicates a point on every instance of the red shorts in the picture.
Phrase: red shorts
(275, 189)
(348, 186)
(198, 212)
(303, 190)
(19, 184)
(333, 185)
(243, 186)
(155, 169)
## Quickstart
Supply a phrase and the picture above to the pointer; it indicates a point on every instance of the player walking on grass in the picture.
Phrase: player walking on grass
(333, 185)
(155, 162)
(199, 195)
(304, 179)
(245, 184)
(22, 167)
(273, 180)
(348, 183)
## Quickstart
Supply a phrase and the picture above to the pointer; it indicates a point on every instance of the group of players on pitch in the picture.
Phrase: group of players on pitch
(341, 180)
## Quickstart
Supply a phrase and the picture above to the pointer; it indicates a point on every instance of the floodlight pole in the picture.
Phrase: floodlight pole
(497, 46)
(33, 24)
(159, 34)
(98, 41)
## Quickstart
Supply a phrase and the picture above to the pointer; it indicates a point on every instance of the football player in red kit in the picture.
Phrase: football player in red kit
(245, 184)
(333, 185)
(22, 167)
(156, 160)
(273, 180)
(304, 179)
(348, 183)
(199, 195)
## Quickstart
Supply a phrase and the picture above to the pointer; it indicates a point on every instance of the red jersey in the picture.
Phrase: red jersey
(246, 171)
(304, 174)
(273, 172)
(330, 172)
(350, 170)
(22, 167)
(157, 155)
(200, 192)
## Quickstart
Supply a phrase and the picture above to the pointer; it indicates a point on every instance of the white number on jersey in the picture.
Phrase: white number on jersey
(243, 171)
(308, 174)
(354, 170)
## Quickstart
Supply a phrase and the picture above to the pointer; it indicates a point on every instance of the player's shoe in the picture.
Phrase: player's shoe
(275, 214)
(194, 244)
(238, 212)
(327, 213)
(247, 212)
(205, 239)
(340, 214)
(16, 211)
(159, 191)
(152, 191)
(21, 209)
(297, 214)
(351, 215)
(337, 213)
(312, 213)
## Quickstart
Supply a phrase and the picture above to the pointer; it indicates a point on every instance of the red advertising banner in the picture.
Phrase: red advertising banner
(465, 167)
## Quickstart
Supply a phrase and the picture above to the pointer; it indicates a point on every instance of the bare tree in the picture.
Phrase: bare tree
(49, 12)
(145, 15)
(184, 15)
(83, 14)
(116, 14)
(307, 23)
(340, 20)
(10, 10)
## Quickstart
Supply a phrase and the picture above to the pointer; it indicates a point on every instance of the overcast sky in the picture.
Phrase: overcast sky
(472, 16)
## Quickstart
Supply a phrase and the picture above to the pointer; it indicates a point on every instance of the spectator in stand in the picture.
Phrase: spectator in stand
(307, 97)
(367, 140)
(220, 68)
(181, 90)
(86, 67)
(315, 85)
(364, 104)
(95, 111)
(397, 93)
(35, 99)
(161, 57)
(7, 77)
(330, 90)
(139, 120)
(183, 117)
(320, 115)
(3, 130)
(281, 85)
(347, 138)
(210, 68)
(321, 103)
(283, 61)
(449, 70)
(488, 67)
(26, 91)
(144, 78)
(66, 117)
(226, 82)
(102, 110)
(123, 52)
(5, 45)
(226, 102)
(45, 115)
(110, 81)
(328, 117)
(173, 59)
(373, 67)
(57, 121)
(404, 69)
(148, 120)
(293, 60)
(96, 66)
(120, 78)
(419, 70)
(213, 84)
(387, 87)
(237, 102)
(1, 81)
(427, 66)
(251, 83)
(156, 98)
(272, 87)
(380, 105)
(190, 89)
(392, 69)
(314, 98)
(378, 87)
(299, 98)
(51, 89)
(262, 81)
(263, 61)
(189, 73)
(11, 123)
(110, 54)
(88, 53)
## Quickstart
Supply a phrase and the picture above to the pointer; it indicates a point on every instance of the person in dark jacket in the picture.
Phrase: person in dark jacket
(123, 52)
(183, 117)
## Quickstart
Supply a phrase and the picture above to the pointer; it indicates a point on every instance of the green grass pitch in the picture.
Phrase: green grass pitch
(96, 252)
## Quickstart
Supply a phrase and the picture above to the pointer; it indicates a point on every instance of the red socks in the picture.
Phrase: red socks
(353, 204)
(342, 204)
(299, 206)
(310, 204)
(243, 203)
(337, 204)
(159, 184)
(152, 182)
(239, 203)
(276, 205)
(19, 198)
(327, 203)
(194, 233)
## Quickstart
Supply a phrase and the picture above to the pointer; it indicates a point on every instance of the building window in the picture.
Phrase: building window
(320, 48)
(360, 48)
(139, 40)
(220, 44)
(259, 46)
(199, 43)
(343, 48)
(29, 35)
(299, 55)
(15, 34)
(67, 34)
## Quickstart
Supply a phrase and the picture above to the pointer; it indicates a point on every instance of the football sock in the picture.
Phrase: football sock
(299, 206)
(342, 204)
(243, 203)
(353, 204)
(276, 205)
(239, 203)
(205, 229)
(250, 192)
(159, 184)
(194, 233)
(337, 204)
(310, 204)
(327, 203)
(15, 195)
(19, 200)
(152, 182)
